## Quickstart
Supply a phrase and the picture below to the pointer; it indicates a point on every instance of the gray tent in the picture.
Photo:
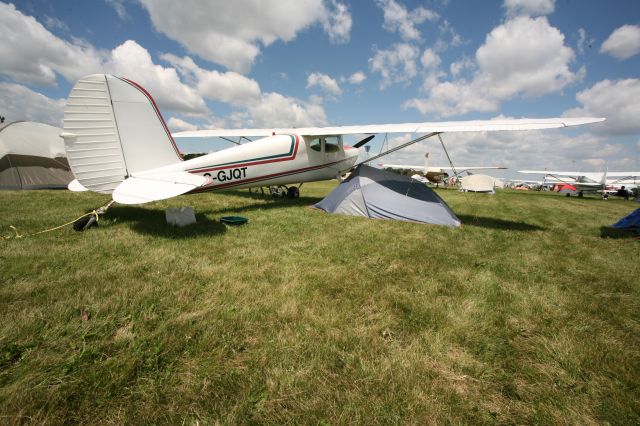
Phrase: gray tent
(378, 194)
(32, 157)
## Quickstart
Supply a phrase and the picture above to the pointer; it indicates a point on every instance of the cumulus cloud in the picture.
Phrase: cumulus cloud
(179, 125)
(398, 19)
(336, 22)
(529, 7)
(523, 57)
(618, 101)
(324, 82)
(357, 77)
(33, 55)
(395, 65)
(231, 33)
(623, 43)
(276, 110)
(256, 109)
(21, 103)
(133, 61)
(229, 87)
(430, 59)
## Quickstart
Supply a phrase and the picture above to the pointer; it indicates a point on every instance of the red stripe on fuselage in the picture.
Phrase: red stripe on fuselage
(259, 178)
(234, 165)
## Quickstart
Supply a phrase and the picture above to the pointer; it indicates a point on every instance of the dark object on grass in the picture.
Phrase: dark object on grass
(234, 220)
(379, 194)
(85, 223)
(630, 221)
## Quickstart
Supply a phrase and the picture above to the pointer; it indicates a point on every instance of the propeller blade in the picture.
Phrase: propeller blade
(364, 141)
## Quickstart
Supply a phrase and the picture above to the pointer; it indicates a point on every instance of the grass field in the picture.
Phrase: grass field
(530, 313)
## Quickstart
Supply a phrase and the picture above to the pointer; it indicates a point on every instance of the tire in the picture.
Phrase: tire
(293, 192)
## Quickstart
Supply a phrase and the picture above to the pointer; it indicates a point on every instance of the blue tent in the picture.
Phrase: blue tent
(375, 193)
(630, 221)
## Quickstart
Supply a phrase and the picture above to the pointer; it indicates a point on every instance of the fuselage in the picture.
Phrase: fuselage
(275, 160)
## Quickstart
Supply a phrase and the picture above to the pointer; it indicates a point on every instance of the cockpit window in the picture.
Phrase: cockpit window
(331, 144)
(316, 145)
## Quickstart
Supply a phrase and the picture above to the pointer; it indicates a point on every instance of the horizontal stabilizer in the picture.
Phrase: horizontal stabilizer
(76, 186)
(153, 186)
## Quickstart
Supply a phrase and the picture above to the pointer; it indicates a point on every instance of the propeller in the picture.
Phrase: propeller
(364, 141)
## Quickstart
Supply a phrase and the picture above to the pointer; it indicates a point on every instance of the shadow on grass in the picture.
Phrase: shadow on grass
(493, 223)
(266, 202)
(153, 222)
(616, 233)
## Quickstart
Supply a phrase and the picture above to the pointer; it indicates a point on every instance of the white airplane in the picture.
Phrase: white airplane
(437, 174)
(590, 182)
(118, 143)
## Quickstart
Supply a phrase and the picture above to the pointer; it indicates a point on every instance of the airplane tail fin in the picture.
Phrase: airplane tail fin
(113, 129)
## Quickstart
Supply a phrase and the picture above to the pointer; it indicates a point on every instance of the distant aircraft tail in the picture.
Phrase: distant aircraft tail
(112, 130)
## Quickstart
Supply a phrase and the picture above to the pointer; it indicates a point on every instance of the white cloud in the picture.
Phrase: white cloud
(337, 23)
(32, 55)
(523, 57)
(325, 82)
(257, 109)
(395, 65)
(21, 103)
(357, 77)
(229, 87)
(623, 43)
(179, 125)
(529, 7)
(118, 6)
(398, 19)
(276, 110)
(133, 61)
(54, 23)
(430, 59)
(458, 67)
(231, 33)
(617, 101)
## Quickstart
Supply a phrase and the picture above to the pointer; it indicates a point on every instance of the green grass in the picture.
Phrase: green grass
(527, 314)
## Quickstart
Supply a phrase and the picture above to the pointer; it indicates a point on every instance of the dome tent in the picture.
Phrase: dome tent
(32, 156)
(375, 193)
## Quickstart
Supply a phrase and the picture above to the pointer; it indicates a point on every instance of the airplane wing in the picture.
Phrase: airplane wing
(426, 127)
(627, 175)
(572, 175)
(458, 169)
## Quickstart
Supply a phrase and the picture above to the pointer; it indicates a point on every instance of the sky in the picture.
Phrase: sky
(299, 63)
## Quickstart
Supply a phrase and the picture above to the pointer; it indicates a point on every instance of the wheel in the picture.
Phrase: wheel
(293, 192)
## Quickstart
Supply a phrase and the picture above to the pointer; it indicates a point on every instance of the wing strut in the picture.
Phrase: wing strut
(455, 173)
(404, 145)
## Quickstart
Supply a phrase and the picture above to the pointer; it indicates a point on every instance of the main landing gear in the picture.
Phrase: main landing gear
(280, 191)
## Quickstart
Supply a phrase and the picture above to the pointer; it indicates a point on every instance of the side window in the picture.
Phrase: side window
(331, 144)
(316, 145)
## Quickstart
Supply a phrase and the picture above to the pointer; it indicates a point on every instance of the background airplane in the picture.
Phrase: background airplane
(591, 182)
(118, 143)
(438, 174)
